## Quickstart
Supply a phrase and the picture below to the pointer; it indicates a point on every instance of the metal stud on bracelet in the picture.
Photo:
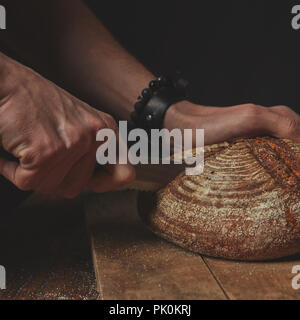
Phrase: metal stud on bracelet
(154, 102)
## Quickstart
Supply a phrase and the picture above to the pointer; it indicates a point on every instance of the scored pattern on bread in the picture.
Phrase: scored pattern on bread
(245, 205)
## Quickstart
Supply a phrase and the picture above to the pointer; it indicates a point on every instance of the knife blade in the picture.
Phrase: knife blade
(153, 177)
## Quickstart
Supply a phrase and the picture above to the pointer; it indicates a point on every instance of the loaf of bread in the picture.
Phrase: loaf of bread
(245, 206)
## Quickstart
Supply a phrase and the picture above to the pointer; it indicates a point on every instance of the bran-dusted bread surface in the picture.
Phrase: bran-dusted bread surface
(245, 206)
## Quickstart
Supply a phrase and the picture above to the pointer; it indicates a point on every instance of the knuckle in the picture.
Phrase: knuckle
(251, 109)
(71, 138)
(282, 109)
(77, 139)
(110, 121)
(109, 118)
(96, 125)
(292, 127)
(32, 158)
(249, 113)
(28, 157)
(38, 157)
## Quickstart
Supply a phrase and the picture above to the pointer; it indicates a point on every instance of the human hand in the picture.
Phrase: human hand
(53, 135)
(226, 123)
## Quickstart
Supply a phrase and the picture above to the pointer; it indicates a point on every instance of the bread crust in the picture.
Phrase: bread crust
(245, 206)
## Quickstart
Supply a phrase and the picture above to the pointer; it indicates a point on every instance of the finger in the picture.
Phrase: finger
(253, 120)
(58, 171)
(78, 177)
(283, 125)
(8, 169)
(284, 111)
(111, 177)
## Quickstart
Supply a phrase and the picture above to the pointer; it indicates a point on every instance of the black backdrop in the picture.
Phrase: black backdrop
(231, 51)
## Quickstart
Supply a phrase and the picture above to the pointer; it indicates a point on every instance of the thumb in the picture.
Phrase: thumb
(111, 177)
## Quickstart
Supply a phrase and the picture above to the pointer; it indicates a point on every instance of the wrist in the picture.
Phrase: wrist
(154, 102)
(178, 113)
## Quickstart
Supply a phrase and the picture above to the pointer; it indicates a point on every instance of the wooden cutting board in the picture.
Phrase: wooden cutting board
(131, 263)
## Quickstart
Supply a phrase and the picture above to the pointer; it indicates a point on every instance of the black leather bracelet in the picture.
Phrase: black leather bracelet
(152, 106)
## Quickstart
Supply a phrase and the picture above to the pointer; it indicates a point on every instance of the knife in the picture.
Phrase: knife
(153, 177)
(149, 177)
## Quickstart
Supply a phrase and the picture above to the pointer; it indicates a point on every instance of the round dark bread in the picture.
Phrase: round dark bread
(245, 206)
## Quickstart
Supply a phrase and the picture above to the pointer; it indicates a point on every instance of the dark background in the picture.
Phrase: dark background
(232, 52)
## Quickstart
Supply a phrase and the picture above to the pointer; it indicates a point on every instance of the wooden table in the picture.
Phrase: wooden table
(47, 255)
(132, 263)
(46, 252)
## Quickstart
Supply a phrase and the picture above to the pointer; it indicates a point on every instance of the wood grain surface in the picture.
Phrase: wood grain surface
(46, 252)
(132, 263)
(256, 280)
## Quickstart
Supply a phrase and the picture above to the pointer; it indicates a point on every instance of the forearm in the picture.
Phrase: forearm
(75, 48)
